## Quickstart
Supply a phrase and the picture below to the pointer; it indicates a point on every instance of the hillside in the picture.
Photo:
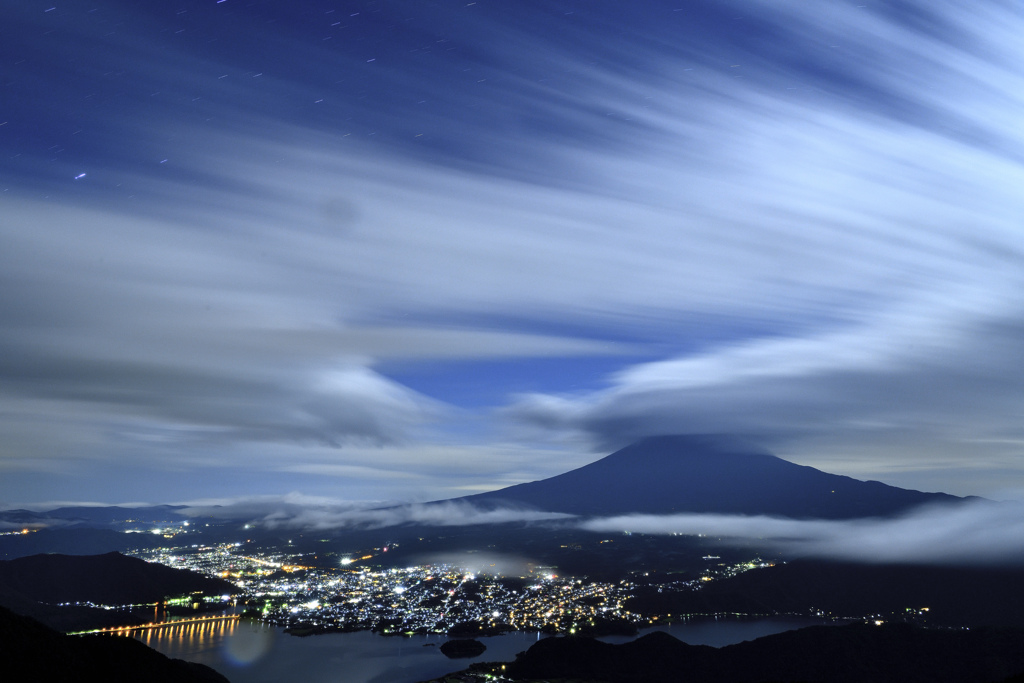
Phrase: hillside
(37, 586)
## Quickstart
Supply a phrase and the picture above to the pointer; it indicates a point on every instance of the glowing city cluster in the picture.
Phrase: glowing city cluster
(305, 596)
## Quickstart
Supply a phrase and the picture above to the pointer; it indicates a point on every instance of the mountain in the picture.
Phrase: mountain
(705, 474)
(837, 654)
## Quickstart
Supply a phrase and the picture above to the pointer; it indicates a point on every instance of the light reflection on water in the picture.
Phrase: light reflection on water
(191, 639)
(248, 652)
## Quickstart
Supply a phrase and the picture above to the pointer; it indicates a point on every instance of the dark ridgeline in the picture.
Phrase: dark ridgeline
(36, 585)
(113, 514)
(896, 653)
(74, 540)
(111, 579)
(84, 530)
(706, 474)
(33, 652)
(110, 516)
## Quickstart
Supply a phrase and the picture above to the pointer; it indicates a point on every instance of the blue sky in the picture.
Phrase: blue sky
(399, 250)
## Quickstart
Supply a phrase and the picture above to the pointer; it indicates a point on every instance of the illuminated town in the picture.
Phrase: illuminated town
(306, 597)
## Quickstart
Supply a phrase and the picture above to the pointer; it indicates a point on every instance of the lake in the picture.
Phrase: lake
(251, 653)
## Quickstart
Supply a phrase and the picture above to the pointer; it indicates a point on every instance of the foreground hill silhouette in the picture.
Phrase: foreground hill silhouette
(34, 652)
(36, 585)
(703, 474)
(826, 654)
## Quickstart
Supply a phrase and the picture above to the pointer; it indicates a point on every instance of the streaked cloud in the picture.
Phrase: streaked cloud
(794, 222)
(298, 512)
(494, 564)
(965, 534)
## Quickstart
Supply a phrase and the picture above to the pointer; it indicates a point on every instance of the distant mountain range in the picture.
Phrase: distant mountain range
(705, 474)
(85, 530)
(93, 516)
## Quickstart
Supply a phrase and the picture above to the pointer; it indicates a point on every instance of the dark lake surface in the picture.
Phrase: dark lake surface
(250, 653)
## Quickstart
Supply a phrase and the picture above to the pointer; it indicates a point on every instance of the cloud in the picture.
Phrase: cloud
(937, 385)
(840, 212)
(431, 514)
(963, 534)
(248, 508)
(969, 533)
(496, 564)
(302, 512)
(809, 217)
(207, 335)
(296, 511)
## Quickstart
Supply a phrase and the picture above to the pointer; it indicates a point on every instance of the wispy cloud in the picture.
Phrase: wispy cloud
(437, 514)
(969, 533)
(808, 216)
(965, 534)
(496, 564)
(298, 512)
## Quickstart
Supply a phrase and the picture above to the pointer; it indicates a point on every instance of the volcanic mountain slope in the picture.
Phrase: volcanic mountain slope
(701, 474)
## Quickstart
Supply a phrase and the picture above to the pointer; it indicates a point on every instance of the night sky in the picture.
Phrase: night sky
(407, 250)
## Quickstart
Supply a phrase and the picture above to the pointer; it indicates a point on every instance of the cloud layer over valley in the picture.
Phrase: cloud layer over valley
(973, 533)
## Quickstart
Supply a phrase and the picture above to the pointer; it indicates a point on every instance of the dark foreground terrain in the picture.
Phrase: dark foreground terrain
(33, 652)
(896, 653)
(933, 595)
(56, 589)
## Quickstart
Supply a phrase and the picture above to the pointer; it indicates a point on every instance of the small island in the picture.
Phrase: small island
(462, 648)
